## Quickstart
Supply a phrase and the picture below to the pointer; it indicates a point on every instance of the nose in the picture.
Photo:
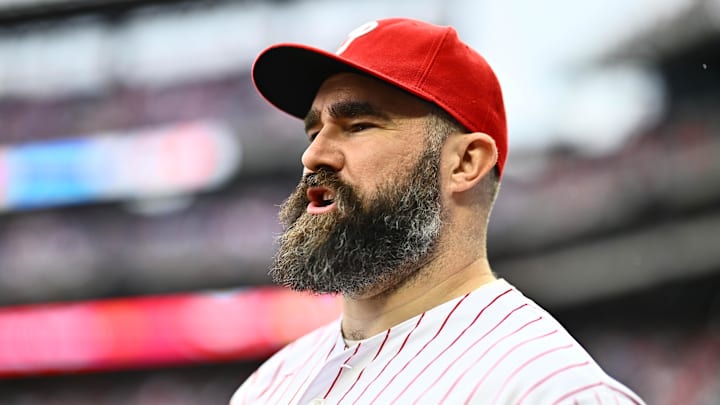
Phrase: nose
(324, 151)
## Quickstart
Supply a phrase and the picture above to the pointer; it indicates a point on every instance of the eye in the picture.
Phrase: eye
(312, 136)
(361, 126)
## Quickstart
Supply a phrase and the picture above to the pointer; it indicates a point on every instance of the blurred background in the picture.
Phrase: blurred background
(140, 176)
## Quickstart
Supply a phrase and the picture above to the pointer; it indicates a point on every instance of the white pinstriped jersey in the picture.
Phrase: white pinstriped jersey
(492, 346)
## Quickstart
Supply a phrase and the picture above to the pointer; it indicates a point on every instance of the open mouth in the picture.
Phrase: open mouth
(322, 200)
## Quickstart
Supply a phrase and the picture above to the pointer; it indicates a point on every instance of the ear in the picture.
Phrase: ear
(470, 158)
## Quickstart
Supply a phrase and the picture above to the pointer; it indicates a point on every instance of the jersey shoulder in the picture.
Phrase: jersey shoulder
(546, 364)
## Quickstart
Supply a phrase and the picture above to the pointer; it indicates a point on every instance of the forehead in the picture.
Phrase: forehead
(345, 87)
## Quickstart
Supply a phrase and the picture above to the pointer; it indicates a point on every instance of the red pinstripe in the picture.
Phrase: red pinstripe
(393, 357)
(610, 387)
(340, 371)
(253, 379)
(624, 394)
(422, 348)
(452, 387)
(330, 336)
(549, 376)
(587, 387)
(577, 391)
(332, 349)
(597, 398)
(272, 380)
(387, 335)
(522, 366)
(447, 348)
(277, 386)
(504, 356)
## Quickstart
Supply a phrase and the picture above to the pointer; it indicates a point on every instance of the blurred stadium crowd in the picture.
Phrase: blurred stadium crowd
(623, 246)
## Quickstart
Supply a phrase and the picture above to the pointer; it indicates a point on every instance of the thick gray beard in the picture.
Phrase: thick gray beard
(358, 248)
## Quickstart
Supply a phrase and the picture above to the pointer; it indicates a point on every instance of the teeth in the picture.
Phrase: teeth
(328, 195)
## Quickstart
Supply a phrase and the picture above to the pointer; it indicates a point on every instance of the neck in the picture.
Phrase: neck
(436, 283)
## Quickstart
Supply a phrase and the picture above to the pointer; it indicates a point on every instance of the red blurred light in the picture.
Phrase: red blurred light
(158, 330)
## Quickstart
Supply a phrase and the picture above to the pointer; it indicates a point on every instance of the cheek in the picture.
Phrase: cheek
(384, 161)
(385, 165)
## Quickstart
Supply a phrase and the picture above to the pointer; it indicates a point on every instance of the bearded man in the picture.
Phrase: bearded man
(407, 146)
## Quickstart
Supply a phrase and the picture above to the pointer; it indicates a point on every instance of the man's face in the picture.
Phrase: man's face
(367, 214)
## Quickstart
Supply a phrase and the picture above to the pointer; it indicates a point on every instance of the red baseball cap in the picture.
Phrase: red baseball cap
(426, 60)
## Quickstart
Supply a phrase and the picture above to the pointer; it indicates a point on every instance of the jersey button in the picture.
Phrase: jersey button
(317, 401)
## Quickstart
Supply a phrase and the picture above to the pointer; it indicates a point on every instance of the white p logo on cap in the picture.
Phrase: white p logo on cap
(356, 33)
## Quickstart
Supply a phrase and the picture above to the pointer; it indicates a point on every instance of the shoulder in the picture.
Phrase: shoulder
(536, 360)
(561, 371)
(578, 390)
(289, 358)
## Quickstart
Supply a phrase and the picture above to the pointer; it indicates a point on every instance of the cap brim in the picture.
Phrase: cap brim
(289, 75)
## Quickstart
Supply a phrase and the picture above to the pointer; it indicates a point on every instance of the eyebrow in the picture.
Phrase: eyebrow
(345, 109)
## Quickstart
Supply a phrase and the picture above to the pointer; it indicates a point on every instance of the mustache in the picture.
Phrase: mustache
(296, 204)
(322, 177)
